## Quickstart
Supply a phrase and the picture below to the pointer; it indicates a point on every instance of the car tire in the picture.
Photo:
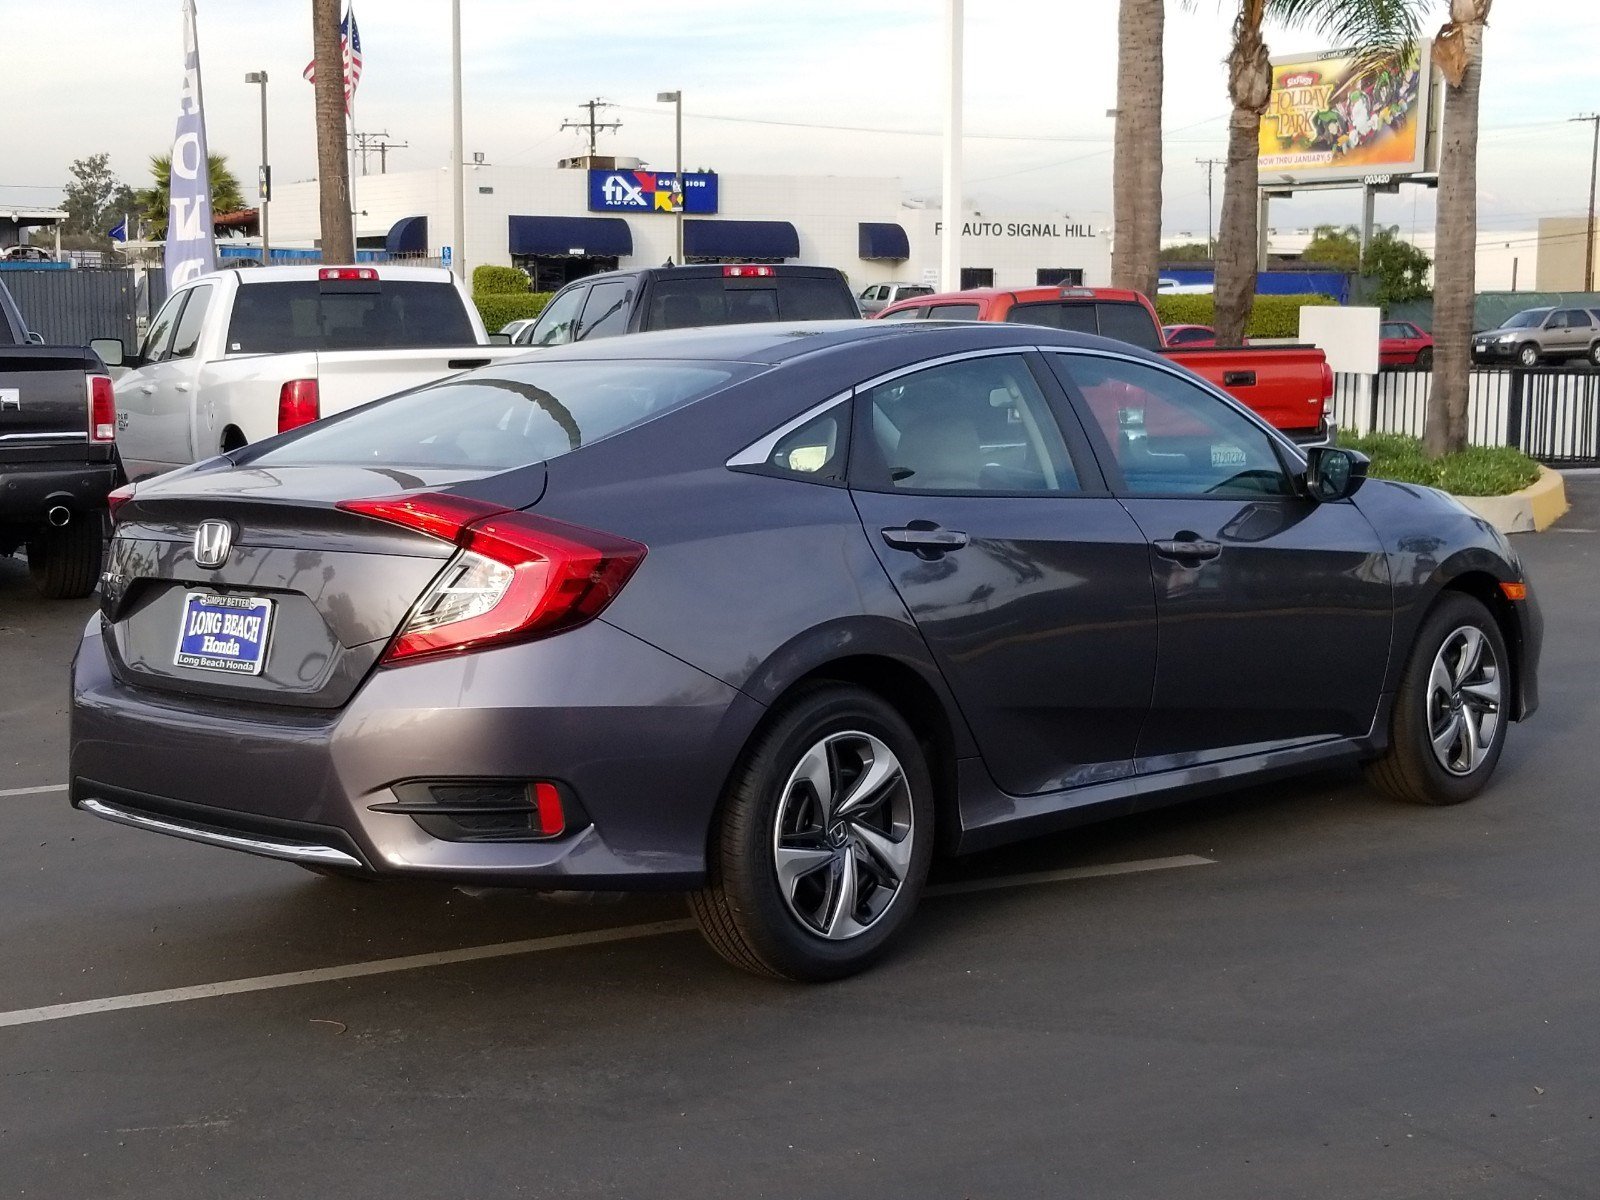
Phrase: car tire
(1528, 356)
(64, 563)
(812, 887)
(1448, 726)
(1424, 360)
(1594, 355)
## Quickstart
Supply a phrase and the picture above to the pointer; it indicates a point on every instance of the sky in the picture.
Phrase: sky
(841, 87)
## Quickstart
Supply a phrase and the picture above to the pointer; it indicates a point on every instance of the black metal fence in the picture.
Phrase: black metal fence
(68, 308)
(1552, 414)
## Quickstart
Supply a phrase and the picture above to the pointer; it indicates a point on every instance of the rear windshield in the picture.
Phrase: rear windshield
(686, 303)
(523, 413)
(271, 318)
(1125, 322)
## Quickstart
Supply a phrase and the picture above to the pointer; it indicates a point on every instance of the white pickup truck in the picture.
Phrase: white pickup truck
(237, 356)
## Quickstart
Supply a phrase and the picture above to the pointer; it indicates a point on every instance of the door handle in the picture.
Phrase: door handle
(182, 387)
(1187, 548)
(466, 364)
(148, 389)
(925, 539)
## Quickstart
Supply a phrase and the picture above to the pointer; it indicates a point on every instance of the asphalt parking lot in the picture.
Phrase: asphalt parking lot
(1301, 990)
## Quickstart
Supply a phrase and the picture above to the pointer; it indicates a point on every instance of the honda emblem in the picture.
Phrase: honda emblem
(212, 541)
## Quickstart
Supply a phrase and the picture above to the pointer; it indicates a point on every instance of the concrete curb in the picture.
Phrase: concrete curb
(1532, 510)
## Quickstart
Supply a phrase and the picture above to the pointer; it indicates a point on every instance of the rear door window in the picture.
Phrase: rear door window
(523, 413)
(306, 314)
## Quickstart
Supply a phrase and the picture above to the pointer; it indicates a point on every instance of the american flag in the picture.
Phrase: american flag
(350, 47)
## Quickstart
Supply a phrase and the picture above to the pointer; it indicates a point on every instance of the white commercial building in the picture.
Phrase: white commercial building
(563, 223)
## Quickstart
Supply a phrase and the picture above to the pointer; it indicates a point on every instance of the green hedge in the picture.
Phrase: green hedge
(497, 310)
(499, 281)
(1270, 316)
(1475, 471)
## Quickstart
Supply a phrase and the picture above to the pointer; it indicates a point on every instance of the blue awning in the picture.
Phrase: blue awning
(883, 239)
(571, 237)
(740, 239)
(408, 235)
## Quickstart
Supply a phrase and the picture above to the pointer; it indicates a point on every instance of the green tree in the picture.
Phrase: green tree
(152, 201)
(1187, 252)
(1400, 269)
(1374, 28)
(1333, 247)
(95, 199)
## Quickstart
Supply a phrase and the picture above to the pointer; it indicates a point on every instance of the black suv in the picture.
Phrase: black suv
(619, 302)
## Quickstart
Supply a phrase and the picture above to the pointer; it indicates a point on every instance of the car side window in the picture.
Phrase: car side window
(160, 332)
(606, 311)
(555, 324)
(1170, 437)
(187, 335)
(976, 426)
(1576, 318)
(1556, 320)
(903, 314)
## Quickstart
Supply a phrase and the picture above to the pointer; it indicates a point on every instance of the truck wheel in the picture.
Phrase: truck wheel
(65, 563)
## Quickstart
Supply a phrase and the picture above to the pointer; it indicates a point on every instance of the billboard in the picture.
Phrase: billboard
(650, 191)
(1336, 116)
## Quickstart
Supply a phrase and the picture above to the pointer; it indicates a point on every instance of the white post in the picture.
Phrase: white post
(458, 178)
(951, 207)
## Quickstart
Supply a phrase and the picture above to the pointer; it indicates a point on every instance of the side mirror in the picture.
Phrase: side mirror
(111, 351)
(1333, 473)
(499, 339)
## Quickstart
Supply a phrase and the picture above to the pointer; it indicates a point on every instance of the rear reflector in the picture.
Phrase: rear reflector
(332, 274)
(748, 272)
(116, 499)
(102, 409)
(518, 576)
(547, 806)
(299, 403)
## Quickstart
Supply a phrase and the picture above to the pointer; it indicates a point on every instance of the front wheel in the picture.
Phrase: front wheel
(1528, 356)
(1594, 355)
(823, 840)
(1424, 360)
(1449, 722)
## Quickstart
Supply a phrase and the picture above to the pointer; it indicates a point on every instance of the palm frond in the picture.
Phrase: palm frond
(1375, 29)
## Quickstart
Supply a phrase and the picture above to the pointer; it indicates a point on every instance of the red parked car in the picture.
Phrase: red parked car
(1291, 387)
(1189, 335)
(1402, 344)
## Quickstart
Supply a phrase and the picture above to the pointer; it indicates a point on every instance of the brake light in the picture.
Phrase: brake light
(1077, 293)
(299, 403)
(748, 272)
(1327, 382)
(333, 274)
(517, 576)
(118, 497)
(102, 409)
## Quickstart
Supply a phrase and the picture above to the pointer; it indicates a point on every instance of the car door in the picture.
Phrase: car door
(139, 439)
(173, 404)
(1578, 334)
(1275, 612)
(558, 322)
(1028, 581)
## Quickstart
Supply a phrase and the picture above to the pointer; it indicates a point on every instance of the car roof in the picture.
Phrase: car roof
(1030, 294)
(771, 343)
(313, 271)
(707, 271)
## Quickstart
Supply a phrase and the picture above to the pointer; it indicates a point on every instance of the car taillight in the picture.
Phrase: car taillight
(299, 403)
(517, 576)
(102, 409)
(331, 274)
(748, 272)
(1327, 382)
(118, 497)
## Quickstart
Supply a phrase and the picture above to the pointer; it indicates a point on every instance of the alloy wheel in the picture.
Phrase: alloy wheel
(842, 841)
(1464, 695)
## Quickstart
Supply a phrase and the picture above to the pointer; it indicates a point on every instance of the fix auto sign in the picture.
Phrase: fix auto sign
(650, 191)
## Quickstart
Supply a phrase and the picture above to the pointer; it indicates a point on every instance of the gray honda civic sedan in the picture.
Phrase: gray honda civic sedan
(773, 615)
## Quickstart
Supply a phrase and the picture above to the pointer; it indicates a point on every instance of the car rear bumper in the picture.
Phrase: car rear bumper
(640, 741)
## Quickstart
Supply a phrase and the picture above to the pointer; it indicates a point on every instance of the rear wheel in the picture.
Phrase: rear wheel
(823, 841)
(64, 562)
(1449, 721)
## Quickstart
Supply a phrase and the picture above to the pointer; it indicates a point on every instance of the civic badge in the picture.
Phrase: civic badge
(212, 541)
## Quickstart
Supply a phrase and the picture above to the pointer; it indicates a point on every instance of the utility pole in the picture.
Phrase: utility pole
(594, 125)
(379, 143)
(1211, 165)
(1594, 172)
(383, 154)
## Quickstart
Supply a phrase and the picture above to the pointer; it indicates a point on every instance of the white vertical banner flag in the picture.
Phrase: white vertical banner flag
(190, 250)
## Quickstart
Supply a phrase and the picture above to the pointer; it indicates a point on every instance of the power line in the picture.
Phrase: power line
(593, 125)
(366, 143)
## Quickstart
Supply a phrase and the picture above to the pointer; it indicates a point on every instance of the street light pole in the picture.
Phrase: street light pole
(676, 98)
(458, 174)
(950, 241)
(264, 179)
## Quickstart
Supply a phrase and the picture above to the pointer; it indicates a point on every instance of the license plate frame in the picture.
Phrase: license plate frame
(224, 647)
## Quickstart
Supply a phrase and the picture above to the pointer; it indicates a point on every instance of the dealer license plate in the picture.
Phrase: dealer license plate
(224, 633)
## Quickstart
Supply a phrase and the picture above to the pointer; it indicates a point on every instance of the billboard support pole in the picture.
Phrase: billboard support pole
(1262, 231)
(1369, 216)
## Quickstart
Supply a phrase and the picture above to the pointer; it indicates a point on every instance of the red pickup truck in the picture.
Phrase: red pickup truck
(1290, 386)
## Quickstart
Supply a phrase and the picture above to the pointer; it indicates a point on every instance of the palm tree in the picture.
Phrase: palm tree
(1374, 28)
(1458, 52)
(333, 166)
(152, 201)
(1136, 170)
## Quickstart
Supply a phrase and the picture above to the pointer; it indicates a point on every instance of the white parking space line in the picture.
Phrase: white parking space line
(564, 941)
(33, 791)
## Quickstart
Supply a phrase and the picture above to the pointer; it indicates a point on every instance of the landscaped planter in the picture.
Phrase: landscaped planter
(1533, 509)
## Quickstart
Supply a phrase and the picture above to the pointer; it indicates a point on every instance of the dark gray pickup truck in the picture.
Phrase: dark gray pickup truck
(58, 456)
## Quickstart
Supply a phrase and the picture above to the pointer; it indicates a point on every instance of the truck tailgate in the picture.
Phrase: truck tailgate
(1286, 385)
(43, 399)
(347, 378)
